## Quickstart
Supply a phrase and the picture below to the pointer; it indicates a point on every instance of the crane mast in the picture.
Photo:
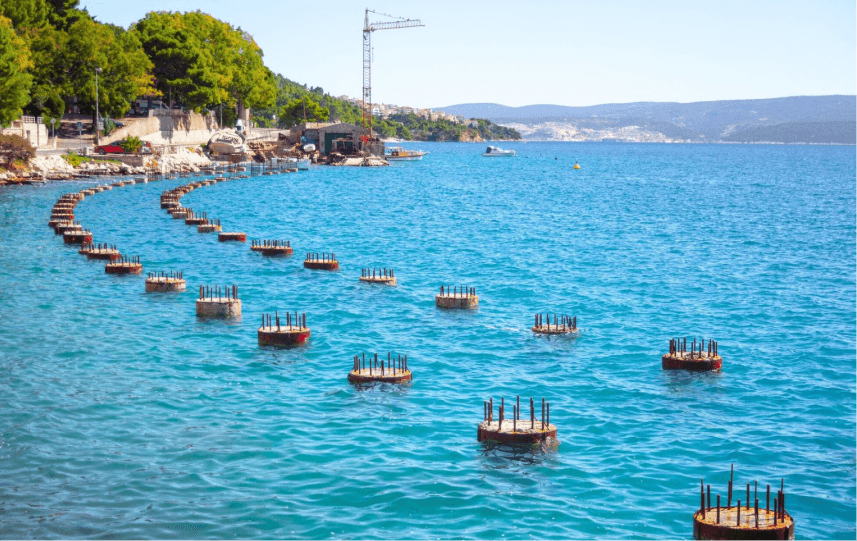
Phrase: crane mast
(367, 62)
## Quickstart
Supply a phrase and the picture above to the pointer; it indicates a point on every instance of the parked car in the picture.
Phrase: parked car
(116, 148)
(141, 106)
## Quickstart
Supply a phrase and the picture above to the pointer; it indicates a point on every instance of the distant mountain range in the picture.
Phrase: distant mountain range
(799, 119)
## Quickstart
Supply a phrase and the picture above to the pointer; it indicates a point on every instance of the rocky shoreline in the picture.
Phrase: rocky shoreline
(55, 168)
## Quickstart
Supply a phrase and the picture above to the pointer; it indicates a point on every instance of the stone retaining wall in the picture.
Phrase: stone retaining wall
(127, 159)
(170, 128)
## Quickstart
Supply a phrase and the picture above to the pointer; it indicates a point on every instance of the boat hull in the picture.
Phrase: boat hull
(401, 154)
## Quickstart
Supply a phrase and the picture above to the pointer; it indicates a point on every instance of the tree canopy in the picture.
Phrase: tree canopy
(15, 82)
(39, 13)
(64, 46)
(25, 13)
(126, 70)
(50, 50)
(205, 62)
(64, 13)
(303, 109)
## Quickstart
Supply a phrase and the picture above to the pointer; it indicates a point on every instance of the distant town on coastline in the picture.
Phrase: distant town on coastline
(409, 123)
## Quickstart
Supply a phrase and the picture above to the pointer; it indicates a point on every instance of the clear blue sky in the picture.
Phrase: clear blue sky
(560, 52)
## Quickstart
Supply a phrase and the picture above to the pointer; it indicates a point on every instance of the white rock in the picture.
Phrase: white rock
(183, 158)
(52, 162)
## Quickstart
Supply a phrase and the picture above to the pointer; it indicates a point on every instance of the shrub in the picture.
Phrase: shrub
(131, 144)
(74, 159)
(109, 126)
(15, 148)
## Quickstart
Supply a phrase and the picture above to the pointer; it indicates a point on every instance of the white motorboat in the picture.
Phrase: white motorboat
(303, 164)
(497, 152)
(403, 154)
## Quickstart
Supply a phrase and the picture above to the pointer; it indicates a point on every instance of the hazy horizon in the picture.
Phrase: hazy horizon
(633, 102)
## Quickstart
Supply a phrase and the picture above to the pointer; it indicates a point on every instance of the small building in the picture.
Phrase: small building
(347, 133)
(329, 136)
(306, 133)
(30, 128)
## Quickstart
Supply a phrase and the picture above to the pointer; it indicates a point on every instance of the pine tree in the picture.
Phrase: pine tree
(15, 82)
(25, 13)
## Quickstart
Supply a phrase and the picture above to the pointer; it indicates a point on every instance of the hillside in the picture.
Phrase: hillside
(420, 129)
(834, 132)
(700, 121)
(407, 127)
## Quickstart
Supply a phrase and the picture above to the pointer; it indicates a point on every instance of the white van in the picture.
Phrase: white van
(141, 106)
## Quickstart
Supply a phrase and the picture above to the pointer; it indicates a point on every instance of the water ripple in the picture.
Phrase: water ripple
(124, 416)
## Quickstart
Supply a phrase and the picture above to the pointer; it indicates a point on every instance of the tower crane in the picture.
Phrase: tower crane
(367, 61)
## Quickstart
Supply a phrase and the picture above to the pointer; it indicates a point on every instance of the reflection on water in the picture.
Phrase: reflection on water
(500, 455)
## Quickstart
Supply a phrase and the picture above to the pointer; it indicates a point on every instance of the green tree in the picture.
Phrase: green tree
(182, 60)
(303, 109)
(385, 128)
(252, 83)
(64, 13)
(403, 132)
(15, 82)
(206, 62)
(46, 102)
(48, 71)
(109, 126)
(226, 115)
(25, 13)
(125, 67)
(60, 14)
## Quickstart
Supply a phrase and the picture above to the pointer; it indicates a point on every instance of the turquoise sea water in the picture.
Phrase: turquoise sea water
(123, 416)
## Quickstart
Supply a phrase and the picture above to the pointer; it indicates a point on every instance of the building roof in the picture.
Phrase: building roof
(340, 127)
(312, 126)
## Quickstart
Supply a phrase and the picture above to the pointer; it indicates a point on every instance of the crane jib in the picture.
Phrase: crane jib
(410, 23)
